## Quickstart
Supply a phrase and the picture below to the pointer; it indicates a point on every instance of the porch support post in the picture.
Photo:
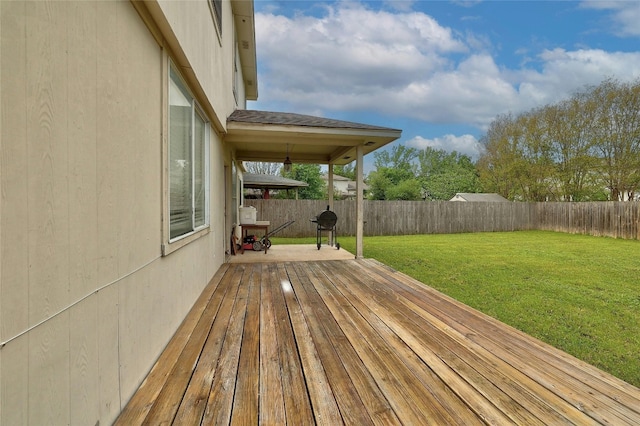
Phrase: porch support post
(330, 195)
(359, 200)
(330, 186)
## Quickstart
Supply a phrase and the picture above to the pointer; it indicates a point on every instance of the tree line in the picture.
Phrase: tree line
(407, 173)
(586, 148)
(402, 173)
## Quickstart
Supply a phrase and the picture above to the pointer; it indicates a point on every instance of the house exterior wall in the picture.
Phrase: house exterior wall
(340, 184)
(87, 301)
(208, 57)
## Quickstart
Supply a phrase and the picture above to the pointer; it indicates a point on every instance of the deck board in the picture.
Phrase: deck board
(297, 403)
(330, 344)
(325, 407)
(246, 396)
(557, 372)
(416, 380)
(355, 342)
(390, 361)
(271, 387)
(452, 360)
(196, 394)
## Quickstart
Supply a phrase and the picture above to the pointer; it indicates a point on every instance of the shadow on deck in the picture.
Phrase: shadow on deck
(354, 342)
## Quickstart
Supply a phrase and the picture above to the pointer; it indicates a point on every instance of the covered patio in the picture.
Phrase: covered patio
(355, 342)
(296, 138)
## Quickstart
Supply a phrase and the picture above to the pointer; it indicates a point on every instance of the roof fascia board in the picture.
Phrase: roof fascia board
(243, 13)
(297, 139)
(277, 157)
(338, 157)
(302, 130)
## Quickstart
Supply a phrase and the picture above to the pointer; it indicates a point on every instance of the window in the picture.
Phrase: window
(188, 162)
(235, 75)
(216, 8)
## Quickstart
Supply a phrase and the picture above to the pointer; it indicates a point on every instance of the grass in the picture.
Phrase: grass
(578, 293)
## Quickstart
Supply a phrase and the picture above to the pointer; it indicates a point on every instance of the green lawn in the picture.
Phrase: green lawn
(578, 293)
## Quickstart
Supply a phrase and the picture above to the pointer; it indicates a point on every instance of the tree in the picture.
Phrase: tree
(262, 168)
(348, 171)
(401, 158)
(443, 174)
(573, 151)
(379, 183)
(393, 168)
(616, 130)
(409, 189)
(569, 127)
(498, 164)
(309, 173)
(536, 170)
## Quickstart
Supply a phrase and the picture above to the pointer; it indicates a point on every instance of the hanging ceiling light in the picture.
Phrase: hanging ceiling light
(287, 162)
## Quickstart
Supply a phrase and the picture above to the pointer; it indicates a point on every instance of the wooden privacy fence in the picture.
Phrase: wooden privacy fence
(397, 217)
(613, 219)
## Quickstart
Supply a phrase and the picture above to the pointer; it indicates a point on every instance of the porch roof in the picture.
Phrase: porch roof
(271, 136)
(355, 342)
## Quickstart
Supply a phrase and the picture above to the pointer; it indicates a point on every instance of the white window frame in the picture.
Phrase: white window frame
(216, 15)
(170, 243)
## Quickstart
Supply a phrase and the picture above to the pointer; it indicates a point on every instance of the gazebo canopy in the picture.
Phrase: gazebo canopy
(257, 181)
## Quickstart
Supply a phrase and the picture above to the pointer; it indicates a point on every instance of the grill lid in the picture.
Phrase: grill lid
(326, 219)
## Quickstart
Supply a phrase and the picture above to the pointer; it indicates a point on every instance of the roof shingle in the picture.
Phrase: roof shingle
(291, 119)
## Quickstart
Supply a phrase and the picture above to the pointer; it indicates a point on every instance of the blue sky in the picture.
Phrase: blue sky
(439, 70)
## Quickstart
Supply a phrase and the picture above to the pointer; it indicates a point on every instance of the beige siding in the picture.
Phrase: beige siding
(13, 172)
(86, 300)
(210, 59)
(82, 135)
(108, 368)
(84, 362)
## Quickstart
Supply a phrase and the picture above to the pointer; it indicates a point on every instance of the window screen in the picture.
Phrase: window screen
(188, 161)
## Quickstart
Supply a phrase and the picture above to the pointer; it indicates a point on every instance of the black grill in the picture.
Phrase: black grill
(326, 221)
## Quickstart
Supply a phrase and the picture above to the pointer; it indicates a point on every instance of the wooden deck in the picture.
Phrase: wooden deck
(354, 342)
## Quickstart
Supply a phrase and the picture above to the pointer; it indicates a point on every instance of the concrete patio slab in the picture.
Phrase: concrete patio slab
(292, 253)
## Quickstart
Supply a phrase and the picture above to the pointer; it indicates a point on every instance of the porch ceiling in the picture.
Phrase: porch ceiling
(268, 136)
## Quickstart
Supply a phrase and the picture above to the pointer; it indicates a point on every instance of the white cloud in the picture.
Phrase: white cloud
(465, 144)
(472, 93)
(565, 72)
(352, 51)
(406, 64)
(625, 17)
